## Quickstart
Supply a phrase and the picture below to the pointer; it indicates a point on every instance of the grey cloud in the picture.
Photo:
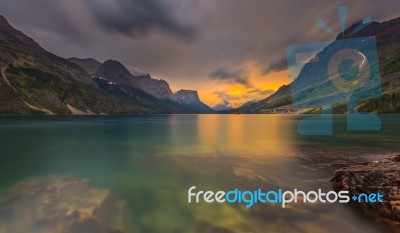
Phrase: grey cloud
(225, 74)
(139, 16)
(242, 81)
(50, 20)
(230, 32)
(278, 65)
(233, 76)
(260, 92)
(222, 106)
(226, 96)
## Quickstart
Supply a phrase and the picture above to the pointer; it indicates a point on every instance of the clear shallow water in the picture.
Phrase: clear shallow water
(151, 161)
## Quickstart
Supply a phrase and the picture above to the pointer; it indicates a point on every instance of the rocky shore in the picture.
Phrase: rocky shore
(372, 177)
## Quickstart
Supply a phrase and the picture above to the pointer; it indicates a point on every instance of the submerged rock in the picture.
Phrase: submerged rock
(368, 177)
(207, 227)
(60, 205)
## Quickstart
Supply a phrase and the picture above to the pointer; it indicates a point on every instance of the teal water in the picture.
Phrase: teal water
(151, 161)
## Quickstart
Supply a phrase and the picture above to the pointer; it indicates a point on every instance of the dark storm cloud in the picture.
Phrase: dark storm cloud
(139, 16)
(183, 40)
(53, 20)
(235, 76)
(278, 65)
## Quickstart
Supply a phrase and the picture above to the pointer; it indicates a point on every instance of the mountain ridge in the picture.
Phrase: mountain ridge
(191, 99)
(90, 65)
(387, 34)
(35, 81)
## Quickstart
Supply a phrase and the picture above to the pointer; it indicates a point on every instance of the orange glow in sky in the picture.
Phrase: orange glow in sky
(260, 86)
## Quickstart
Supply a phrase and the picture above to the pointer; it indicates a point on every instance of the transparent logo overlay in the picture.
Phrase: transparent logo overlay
(340, 71)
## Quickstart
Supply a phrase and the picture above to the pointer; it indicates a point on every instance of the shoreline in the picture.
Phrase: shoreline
(376, 176)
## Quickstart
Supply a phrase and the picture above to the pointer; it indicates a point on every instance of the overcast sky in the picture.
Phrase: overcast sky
(228, 50)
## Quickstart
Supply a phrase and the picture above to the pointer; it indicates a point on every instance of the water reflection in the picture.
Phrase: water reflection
(245, 135)
(151, 161)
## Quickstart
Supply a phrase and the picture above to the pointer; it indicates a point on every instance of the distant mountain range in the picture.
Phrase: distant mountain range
(387, 35)
(35, 81)
(223, 107)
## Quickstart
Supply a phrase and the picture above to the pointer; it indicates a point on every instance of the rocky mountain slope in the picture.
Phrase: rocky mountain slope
(280, 98)
(387, 35)
(158, 88)
(116, 80)
(115, 73)
(90, 65)
(191, 99)
(34, 81)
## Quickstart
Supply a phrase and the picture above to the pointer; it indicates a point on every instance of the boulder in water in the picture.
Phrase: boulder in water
(58, 204)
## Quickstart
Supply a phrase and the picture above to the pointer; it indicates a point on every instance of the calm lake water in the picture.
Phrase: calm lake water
(151, 161)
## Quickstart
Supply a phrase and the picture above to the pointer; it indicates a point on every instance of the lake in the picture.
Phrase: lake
(152, 161)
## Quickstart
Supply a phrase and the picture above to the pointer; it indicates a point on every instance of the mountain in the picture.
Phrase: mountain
(387, 35)
(248, 104)
(280, 98)
(115, 73)
(35, 81)
(191, 99)
(223, 106)
(116, 80)
(89, 65)
(158, 88)
(16, 47)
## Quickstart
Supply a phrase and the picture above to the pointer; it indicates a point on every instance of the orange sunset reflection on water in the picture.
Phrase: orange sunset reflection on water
(240, 135)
